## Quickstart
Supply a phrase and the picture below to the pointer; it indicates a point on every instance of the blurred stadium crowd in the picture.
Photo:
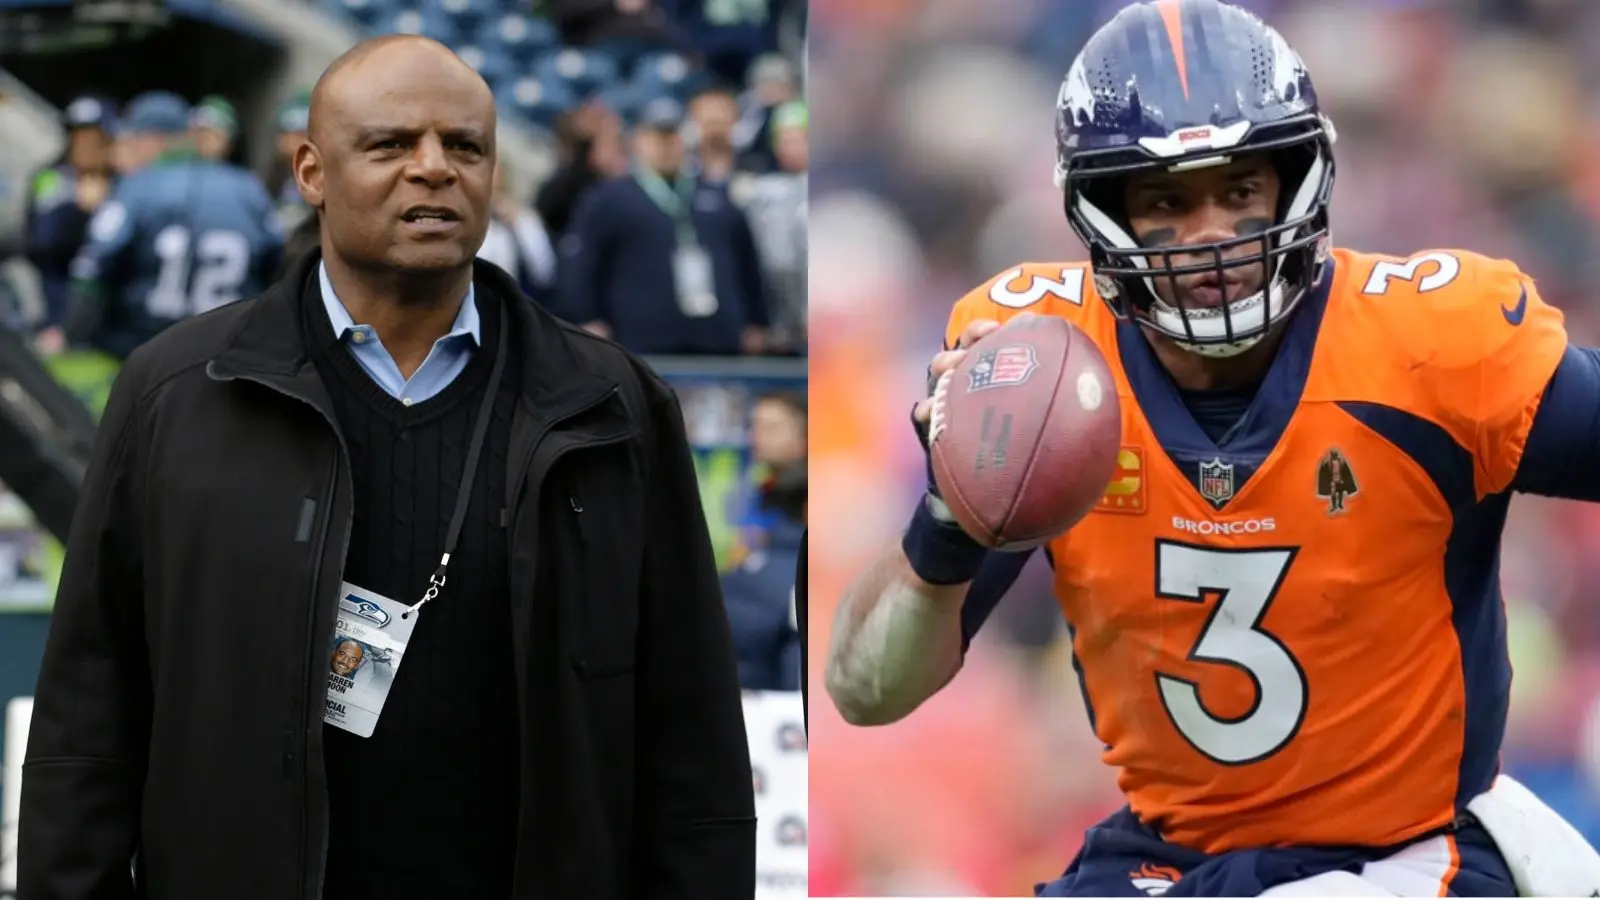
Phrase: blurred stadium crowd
(621, 96)
(1461, 123)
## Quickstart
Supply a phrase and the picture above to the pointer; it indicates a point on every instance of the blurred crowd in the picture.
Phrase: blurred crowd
(1460, 124)
(672, 220)
(661, 144)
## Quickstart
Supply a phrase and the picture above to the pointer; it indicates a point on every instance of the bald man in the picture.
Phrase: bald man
(396, 443)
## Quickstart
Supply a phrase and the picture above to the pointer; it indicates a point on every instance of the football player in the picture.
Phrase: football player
(1285, 612)
(180, 235)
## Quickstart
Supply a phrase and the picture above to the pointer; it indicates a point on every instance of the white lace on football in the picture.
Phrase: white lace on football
(937, 412)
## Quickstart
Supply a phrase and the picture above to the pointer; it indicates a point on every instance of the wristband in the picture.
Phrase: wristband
(940, 552)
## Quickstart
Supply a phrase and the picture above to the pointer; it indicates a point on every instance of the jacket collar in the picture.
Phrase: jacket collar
(270, 344)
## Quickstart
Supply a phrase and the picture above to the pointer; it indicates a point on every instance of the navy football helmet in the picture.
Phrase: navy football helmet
(1178, 85)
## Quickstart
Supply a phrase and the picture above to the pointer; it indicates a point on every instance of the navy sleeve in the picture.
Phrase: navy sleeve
(55, 233)
(581, 272)
(998, 572)
(1562, 456)
(751, 279)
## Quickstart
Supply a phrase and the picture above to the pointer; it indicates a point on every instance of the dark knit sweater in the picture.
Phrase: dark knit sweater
(427, 806)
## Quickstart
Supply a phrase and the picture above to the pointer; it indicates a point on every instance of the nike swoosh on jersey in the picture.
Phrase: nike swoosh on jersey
(1514, 314)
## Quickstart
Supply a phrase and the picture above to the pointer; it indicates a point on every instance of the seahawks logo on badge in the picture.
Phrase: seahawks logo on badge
(366, 609)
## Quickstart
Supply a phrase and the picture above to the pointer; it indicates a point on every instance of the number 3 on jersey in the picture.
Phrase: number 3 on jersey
(1444, 267)
(1068, 287)
(1246, 582)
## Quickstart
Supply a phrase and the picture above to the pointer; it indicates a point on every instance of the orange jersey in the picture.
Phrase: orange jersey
(1296, 638)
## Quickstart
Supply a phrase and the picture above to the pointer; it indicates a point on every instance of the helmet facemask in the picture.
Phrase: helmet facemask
(1291, 252)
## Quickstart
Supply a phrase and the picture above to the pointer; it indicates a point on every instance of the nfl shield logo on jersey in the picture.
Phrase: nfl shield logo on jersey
(1216, 481)
(1002, 367)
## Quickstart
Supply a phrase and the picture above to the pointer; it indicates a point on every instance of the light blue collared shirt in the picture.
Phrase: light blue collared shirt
(447, 359)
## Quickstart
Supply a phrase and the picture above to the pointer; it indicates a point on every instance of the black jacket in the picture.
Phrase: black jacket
(178, 715)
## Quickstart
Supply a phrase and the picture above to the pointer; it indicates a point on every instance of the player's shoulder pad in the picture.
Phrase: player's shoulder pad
(136, 186)
(241, 177)
(1453, 308)
(1063, 289)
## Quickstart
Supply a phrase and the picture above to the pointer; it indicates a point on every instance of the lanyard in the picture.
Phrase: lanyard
(674, 200)
(480, 429)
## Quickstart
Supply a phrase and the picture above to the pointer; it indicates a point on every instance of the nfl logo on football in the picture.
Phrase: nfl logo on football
(1002, 367)
(1216, 481)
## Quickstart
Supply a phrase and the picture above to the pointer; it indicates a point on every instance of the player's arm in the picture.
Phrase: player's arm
(902, 627)
(1561, 456)
(1513, 392)
(110, 235)
(899, 638)
(54, 221)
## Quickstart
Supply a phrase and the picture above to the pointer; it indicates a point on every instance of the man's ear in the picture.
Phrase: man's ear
(309, 174)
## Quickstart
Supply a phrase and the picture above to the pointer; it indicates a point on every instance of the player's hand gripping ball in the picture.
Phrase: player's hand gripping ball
(1024, 432)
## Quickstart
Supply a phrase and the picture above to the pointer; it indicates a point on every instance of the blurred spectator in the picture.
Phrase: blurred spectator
(660, 262)
(123, 151)
(638, 25)
(773, 82)
(732, 34)
(293, 116)
(213, 126)
(518, 243)
(759, 592)
(713, 113)
(60, 204)
(775, 204)
(589, 142)
(178, 236)
(777, 450)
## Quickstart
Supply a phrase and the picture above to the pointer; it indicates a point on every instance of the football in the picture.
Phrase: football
(1024, 432)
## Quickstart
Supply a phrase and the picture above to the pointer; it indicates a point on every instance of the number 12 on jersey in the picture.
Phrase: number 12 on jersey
(190, 284)
(1246, 583)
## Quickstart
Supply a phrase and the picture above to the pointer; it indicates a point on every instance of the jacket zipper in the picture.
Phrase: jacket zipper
(516, 503)
(319, 545)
